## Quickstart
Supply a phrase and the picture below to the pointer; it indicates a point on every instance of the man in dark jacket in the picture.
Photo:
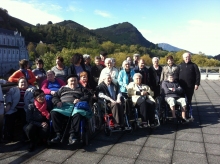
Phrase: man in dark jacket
(154, 76)
(173, 93)
(110, 92)
(143, 70)
(96, 71)
(189, 76)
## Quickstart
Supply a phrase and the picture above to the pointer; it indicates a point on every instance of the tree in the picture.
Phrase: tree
(49, 22)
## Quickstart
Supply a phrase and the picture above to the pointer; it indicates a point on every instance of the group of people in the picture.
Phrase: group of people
(58, 90)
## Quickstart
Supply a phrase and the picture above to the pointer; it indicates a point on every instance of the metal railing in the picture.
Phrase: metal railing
(210, 73)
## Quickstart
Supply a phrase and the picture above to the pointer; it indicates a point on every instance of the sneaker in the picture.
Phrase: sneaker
(144, 125)
(184, 120)
(72, 139)
(56, 139)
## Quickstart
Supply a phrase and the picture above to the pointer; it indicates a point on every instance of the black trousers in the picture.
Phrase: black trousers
(10, 119)
(34, 132)
(147, 110)
(189, 94)
(58, 119)
(117, 113)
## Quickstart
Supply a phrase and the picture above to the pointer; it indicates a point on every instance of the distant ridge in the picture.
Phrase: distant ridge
(169, 47)
(124, 33)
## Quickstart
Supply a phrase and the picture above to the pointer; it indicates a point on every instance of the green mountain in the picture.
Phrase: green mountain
(124, 33)
(70, 34)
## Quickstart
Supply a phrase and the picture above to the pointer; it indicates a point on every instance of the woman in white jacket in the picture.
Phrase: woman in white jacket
(17, 100)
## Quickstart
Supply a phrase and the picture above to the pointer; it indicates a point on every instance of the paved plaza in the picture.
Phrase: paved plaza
(197, 142)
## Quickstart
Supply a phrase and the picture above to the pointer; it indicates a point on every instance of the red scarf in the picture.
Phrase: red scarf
(42, 108)
(83, 83)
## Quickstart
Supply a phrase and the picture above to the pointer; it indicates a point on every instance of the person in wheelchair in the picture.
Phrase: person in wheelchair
(142, 97)
(64, 100)
(110, 92)
(173, 95)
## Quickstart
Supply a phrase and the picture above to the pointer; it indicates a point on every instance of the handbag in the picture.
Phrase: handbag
(82, 105)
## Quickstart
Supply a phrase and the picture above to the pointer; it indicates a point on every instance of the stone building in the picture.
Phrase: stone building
(12, 49)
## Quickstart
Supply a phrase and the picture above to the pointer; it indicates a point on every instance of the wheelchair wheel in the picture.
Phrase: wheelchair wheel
(134, 126)
(108, 131)
(97, 117)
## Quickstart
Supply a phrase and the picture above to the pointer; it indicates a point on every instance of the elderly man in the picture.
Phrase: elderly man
(109, 91)
(154, 76)
(143, 70)
(189, 76)
(173, 93)
(142, 97)
(109, 69)
(65, 99)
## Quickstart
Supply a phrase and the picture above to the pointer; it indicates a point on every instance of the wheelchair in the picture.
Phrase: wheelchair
(85, 130)
(137, 121)
(104, 119)
(165, 114)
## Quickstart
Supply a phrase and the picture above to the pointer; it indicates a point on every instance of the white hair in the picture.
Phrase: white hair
(186, 53)
(124, 62)
(108, 59)
(137, 74)
(155, 58)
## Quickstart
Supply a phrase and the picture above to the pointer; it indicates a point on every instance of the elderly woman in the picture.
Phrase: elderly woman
(83, 80)
(17, 101)
(168, 69)
(64, 100)
(50, 86)
(23, 72)
(125, 76)
(60, 69)
(109, 69)
(37, 118)
(154, 76)
(142, 97)
(39, 72)
(77, 66)
(109, 91)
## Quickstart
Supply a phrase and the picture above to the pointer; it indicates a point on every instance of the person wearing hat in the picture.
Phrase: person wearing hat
(64, 100)
(87, 61)
(103, 56)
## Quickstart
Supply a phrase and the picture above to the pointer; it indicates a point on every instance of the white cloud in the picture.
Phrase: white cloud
(195, 36)
(74, 9)
(103, 13)
(32, 12)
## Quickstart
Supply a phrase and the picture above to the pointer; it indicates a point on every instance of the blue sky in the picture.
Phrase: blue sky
(193, 25)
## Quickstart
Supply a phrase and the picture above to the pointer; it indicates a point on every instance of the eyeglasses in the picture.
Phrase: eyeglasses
(39, 63)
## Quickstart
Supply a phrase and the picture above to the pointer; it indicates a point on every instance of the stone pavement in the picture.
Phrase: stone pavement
(197, 142)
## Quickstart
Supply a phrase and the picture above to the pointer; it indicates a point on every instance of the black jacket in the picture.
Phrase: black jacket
(34, 116)
(154, 81)
(102, 87)
(189, 75)
(168, 93)
(145, 74)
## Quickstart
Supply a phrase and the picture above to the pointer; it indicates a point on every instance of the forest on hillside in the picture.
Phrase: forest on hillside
(48, 53)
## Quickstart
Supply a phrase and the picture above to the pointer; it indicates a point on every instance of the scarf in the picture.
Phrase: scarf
(83, 83)
(42, 108)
